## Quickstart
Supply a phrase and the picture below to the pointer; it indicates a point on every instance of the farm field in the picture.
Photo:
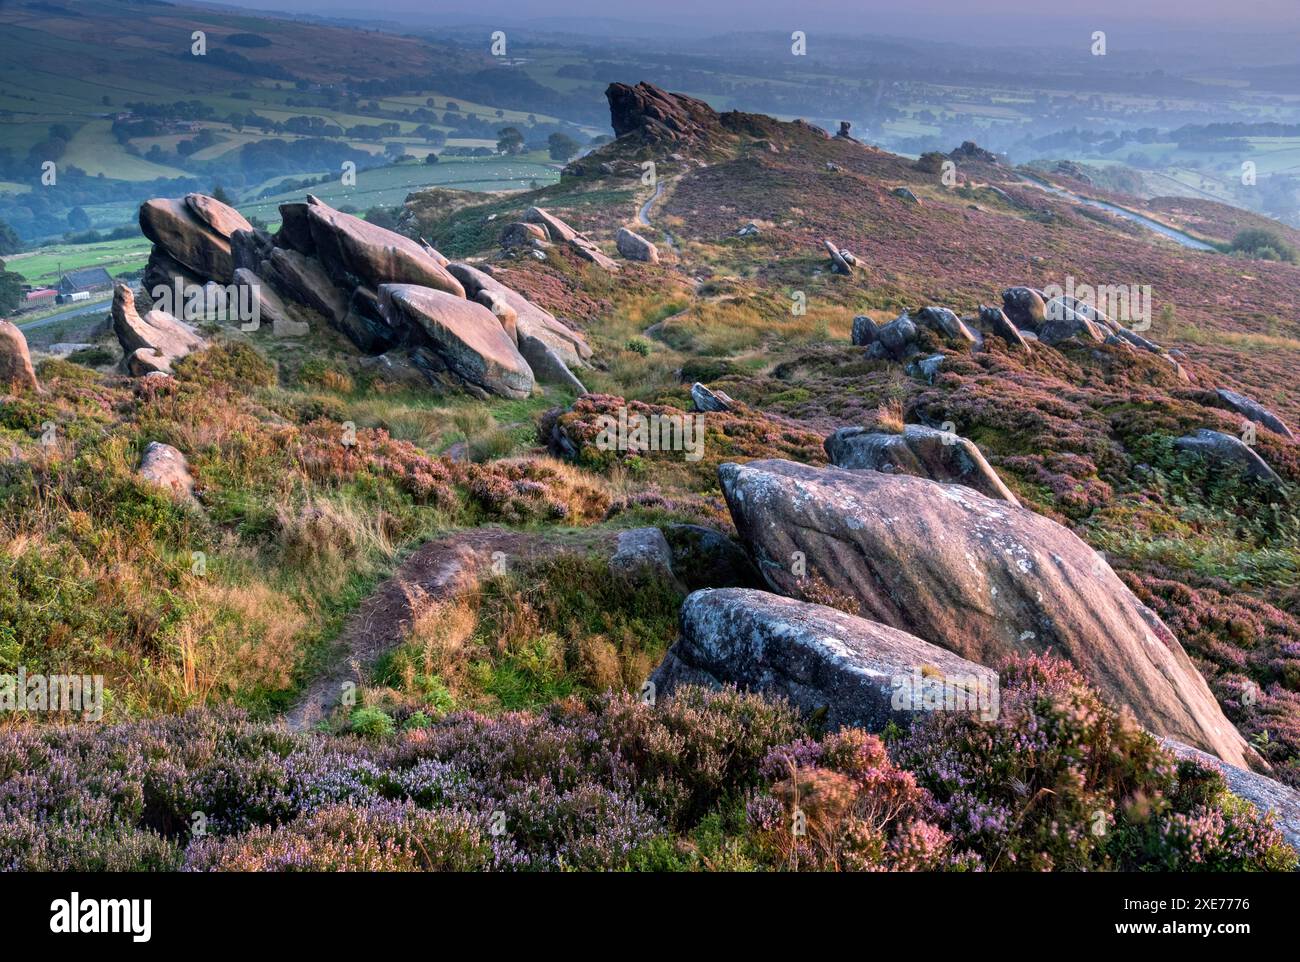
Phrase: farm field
(44, 266)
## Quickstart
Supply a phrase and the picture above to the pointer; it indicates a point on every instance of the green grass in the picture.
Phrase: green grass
(44, 266)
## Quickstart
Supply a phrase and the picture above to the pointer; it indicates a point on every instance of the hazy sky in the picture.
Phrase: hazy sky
(1129, 23)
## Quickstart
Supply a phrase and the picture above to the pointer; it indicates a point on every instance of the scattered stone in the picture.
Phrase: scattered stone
(906, 194)
(145, 361)
(1024, 307)
(16, 371)
(838, 264)
(820, 659)
(1250, 408)
(163, 465)
(465, 335)
(636, 248)
(865, 331)
(999, 324)
(920, 451)
(983, 577)
(556, 229)
(520, 234)
(897, 338)
(749, 230)
(707, 400)
(927, 367)
(1229, 451)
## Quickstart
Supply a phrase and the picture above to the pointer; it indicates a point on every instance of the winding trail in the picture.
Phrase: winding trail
(643, 216)
(438, 570)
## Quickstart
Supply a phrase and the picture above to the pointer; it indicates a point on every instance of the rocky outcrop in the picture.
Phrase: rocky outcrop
(996, 322)
(900, 338)
(1251, 409)
(547, 366)
(272, 311)
(946, 324)
(970, 151)
(857, 672)
(704, 399)
(1229, 452)
(16, 371)
(705, 558)
(350, 247)
(195, 233)
(652, 117)
(1024, 307)
(865, 331)
(570, 346)
(163, 465)
(839, 263)
(465, 335)
(1064, 322)
(920, 451)
(152, 342)
(984, 578)
(635, 247)
(561, 233)
(520, 234)
(642, 554)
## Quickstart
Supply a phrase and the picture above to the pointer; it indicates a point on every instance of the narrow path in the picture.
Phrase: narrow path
(436, 571)
(643, 216)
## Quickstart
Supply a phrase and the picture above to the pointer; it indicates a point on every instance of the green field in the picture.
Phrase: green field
(43, 267)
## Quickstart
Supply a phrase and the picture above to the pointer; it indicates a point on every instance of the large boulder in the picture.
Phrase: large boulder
(1064, 323)
(1229, 451)
(157, 332)
(465, 335)
(547, 366)
(16, 371)
(920, 451)
(1249, 408)
(706, 399)
(635, 247)
(521, 234)
(189, 239)
(945, 323)
(982, 577)
(556, 229)
(705, 558)
(865, 331)
(858, 672)
(1025, 307)
(221, 218)
(163, 465)
(997, 323)
(657, 118)
(350, 247)
(570, 346)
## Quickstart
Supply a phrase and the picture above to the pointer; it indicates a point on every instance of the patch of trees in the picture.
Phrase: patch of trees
(237, 63)
(1261, 244)
(271, 158)
(248, 40)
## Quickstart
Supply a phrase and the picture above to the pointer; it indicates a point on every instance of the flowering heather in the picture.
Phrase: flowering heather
(702, 779)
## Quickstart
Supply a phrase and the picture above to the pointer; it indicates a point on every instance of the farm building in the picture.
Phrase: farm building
(88, 279)
(42, 295)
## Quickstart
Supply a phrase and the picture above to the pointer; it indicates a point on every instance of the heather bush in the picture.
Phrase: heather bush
(1062, 781)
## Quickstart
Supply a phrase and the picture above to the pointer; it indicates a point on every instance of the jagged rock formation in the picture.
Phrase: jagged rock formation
(453, 322)
(920, 451)
(705, 399)
(655, 117)
(819, 658)
(152, 342)
(984, 578)
(16, 371)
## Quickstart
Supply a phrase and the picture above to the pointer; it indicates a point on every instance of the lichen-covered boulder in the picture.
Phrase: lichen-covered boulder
(982, 577)
(921, 451)
(857, 672)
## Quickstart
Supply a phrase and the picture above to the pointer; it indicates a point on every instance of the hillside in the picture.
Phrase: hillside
(391, 516)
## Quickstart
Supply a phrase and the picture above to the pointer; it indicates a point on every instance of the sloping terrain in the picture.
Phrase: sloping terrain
(319, 464)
